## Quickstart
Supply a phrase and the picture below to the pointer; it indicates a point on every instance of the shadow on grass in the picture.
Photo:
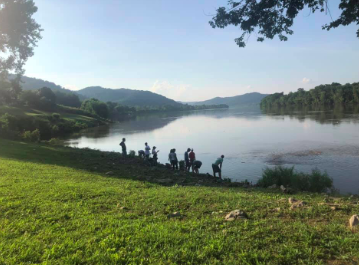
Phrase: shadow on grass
(108, 164)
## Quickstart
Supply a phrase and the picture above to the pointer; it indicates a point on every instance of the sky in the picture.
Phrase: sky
(168, 47)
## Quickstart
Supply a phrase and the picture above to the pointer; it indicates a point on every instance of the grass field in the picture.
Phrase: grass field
(39, 114)
(68, 206)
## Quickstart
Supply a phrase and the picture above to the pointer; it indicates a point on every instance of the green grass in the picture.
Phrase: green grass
(58, 206)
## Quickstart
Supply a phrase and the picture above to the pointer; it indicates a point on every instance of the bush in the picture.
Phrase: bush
(9, 126)
(55, 130)
(318, 180)
(72, 110)
(314, 182)
(278, 175)
(55, 141)
(56, 116)
(182, 165)
(33, 136)
(8, 122)
(4, 122)
(132, 153)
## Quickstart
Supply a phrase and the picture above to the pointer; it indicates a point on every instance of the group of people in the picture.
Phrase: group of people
(190, 161)
(142, 153)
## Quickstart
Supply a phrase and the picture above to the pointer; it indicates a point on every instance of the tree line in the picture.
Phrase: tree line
(116, 111)
(329, 95)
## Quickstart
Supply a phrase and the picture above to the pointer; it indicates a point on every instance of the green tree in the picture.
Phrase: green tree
(43, 98)
(96, 107)
(5, 92)
(19, 34)
(356, 93)
(331, 95)
(67, 99)
(270, 18)
(47, 94)
(30, 98)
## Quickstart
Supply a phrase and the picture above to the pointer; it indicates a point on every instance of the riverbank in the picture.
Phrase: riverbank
(65, 205)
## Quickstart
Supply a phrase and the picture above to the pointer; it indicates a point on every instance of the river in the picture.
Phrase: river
(250, 140)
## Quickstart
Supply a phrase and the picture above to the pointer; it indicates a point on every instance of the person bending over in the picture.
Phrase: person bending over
(196, 166)
(141, 153)
(217, 167)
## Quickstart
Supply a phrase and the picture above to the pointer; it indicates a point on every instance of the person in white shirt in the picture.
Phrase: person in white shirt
(147, 151)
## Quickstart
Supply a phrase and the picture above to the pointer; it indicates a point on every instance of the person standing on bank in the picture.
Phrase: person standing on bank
(123, 145)
(172, 157)
(147, 151)
(192, 158)
(217, 167)
(186, 159)
(154, 154)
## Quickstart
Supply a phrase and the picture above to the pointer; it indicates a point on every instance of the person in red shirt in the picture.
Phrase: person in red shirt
(192, 157)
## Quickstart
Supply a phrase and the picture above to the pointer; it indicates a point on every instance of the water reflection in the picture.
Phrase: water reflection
(321, 115)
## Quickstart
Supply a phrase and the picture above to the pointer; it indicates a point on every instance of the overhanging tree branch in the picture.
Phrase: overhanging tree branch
(275, 17)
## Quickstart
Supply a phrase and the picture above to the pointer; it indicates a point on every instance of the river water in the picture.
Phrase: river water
(250, 140)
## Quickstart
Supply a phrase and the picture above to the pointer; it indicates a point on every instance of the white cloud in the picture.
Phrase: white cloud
(71, 87)
(306, 80)
(176, 92)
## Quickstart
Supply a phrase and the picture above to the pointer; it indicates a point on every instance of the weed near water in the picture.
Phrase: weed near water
(70, 206)
(288, 177)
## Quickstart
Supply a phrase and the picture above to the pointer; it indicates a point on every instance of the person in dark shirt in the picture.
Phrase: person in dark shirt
(154, 155)
(123, 145)
(196, 166)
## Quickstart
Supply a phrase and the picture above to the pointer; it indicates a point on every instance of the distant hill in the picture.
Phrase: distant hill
(248, 99)
(31, 83)
(127, 97)
(140, 98)
(123, 96)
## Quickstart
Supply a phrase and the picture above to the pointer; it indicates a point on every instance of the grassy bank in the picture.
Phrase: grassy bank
(40, 114)
(58, 121)
(69, 206)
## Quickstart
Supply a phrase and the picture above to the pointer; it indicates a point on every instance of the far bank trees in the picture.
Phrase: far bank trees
(324, 95)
